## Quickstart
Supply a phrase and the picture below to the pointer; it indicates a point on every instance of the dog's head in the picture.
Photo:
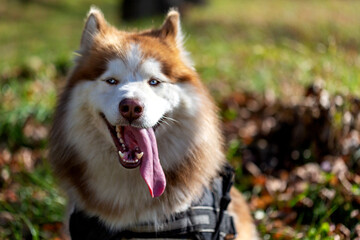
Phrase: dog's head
(129, 84)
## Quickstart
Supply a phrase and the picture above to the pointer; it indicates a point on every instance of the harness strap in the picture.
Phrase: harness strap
(206, 219)
(228, 180)
(192, 224)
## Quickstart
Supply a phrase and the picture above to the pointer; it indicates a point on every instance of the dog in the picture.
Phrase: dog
(136, 141)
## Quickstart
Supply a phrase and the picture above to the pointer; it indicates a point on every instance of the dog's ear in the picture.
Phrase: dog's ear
(171, 28)
(95, 23)
(171, 32)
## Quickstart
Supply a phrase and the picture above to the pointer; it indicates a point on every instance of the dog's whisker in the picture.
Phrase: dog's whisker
(164, 121)
(171, 119)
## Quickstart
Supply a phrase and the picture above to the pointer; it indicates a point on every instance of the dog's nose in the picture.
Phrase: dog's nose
(131, 109)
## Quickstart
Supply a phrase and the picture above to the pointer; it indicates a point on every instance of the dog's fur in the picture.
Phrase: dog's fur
(189, 141)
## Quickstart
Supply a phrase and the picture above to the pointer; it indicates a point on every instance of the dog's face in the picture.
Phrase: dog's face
(134, 91)
(128, 84)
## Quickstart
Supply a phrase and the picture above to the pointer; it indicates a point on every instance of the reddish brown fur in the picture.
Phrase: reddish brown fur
(158, 44)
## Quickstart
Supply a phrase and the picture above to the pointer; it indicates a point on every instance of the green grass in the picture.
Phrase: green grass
(47, 29)
(37, 204)
(257, 45)
(250, 45)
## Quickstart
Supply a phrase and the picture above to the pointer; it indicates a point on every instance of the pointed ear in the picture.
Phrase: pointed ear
(171, 28)
(95, 23)
(171, 31)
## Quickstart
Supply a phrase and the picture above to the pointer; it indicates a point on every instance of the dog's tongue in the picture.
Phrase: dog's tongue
(150, 168)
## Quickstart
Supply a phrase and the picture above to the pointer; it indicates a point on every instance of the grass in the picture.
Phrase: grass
(37, 205)
(252, 45)
(257, 45)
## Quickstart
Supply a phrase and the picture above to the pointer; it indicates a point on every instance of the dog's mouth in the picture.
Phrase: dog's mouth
(138, 147)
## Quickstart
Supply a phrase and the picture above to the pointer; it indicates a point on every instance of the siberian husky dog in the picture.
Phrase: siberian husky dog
(136, 136)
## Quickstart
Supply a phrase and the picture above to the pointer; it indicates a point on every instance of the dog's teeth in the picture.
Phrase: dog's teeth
(136, 160)
(119, 136)
(139, 155)
(121, 140)
(121, 155)
(117, 128)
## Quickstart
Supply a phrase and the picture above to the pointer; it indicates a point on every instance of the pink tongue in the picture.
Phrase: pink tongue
(150, 168)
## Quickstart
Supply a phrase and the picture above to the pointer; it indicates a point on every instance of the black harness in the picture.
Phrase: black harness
(206, 219)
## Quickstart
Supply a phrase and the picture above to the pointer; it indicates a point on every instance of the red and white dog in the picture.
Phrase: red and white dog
(136, 136)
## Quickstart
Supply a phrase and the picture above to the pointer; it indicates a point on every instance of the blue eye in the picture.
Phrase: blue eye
(111, 81)
(153, 82)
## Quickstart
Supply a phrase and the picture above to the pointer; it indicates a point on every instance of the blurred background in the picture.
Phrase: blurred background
(285, 74)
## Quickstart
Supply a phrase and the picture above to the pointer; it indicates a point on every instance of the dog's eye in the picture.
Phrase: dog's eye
(154, 82)
(111, 81)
